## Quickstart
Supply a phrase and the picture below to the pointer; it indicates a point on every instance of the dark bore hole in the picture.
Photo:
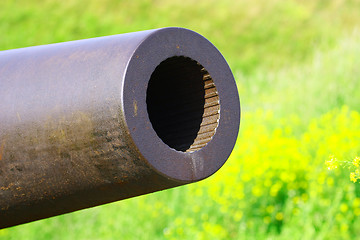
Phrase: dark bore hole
(183, 104)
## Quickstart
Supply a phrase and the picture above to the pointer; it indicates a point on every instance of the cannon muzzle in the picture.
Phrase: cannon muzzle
(93, 121)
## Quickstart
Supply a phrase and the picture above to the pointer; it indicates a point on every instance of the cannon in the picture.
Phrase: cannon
(89, 122)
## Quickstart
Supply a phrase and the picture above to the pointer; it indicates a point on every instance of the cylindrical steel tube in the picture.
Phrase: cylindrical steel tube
(89, 122)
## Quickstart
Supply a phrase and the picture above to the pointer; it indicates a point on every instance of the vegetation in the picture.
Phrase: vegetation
(297, 68)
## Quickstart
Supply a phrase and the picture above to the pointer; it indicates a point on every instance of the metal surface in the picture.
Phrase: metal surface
(89, 122)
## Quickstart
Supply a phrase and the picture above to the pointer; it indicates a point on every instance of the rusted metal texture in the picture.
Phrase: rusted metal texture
(93, 121)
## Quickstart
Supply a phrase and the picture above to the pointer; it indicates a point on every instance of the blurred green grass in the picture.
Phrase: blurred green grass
(251, 35)
(296, 65)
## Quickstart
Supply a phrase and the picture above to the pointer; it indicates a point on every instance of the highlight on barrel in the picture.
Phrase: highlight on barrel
(93, 121)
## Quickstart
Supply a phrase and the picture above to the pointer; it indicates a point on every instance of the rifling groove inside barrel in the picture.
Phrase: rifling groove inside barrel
(181, 102)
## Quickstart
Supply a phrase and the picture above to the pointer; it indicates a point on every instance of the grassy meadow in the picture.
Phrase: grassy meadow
(297, 66)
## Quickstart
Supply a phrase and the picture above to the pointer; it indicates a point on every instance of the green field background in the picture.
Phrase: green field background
(297, 67)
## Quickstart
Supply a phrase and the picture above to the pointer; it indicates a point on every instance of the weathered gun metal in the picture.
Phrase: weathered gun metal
(89, 122)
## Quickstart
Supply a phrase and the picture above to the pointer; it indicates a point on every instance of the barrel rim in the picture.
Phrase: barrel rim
(179, 166)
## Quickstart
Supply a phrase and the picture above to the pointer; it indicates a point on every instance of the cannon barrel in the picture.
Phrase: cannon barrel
(93, 121)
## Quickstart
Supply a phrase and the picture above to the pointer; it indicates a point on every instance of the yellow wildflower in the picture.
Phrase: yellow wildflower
(331, 163)
(356, 162)
(343, 207)
(357, 212)
(353, 177)
(238, 215)
(279, 216)
(267, 219)
(270, 209)
(356, 202)
(344, 227)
